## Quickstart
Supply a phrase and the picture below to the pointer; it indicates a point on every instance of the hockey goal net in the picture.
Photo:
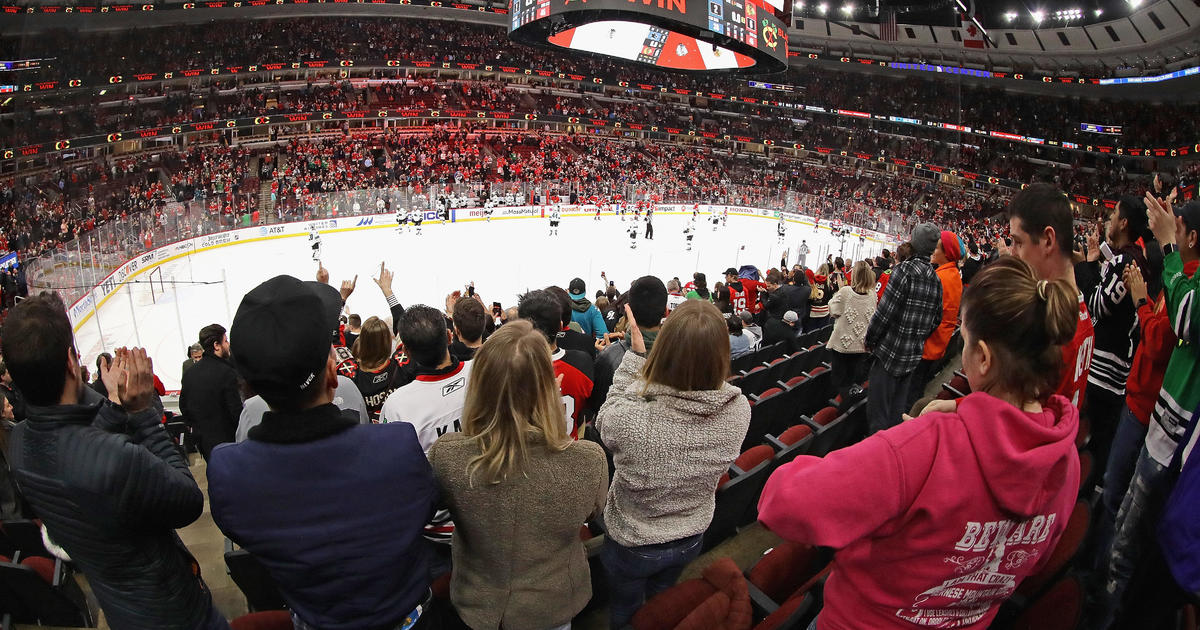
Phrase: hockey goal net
(151, 288)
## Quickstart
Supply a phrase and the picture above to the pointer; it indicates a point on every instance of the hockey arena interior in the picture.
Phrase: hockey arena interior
(658, 315)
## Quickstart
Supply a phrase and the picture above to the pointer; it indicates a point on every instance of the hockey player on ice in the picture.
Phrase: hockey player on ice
(781, 228)
(633, 232)
(314, 241)
(555, 217)
(489, 207)
(415, 217)
(690, 231)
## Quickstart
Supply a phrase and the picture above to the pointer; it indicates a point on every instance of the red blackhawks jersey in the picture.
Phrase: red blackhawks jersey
(1077, 358)
(745, 297)
(577, 371)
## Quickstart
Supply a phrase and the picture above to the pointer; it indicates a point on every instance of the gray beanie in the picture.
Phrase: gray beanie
(924, 239)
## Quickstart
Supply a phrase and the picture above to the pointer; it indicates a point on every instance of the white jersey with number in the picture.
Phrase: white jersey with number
(432, 403)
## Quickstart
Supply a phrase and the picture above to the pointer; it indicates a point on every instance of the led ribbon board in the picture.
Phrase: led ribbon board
(745, 36)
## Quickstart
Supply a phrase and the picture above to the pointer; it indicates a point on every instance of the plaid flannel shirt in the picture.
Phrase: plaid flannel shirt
(909, 311)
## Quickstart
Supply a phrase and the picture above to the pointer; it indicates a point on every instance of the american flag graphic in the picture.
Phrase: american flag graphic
(888, 31)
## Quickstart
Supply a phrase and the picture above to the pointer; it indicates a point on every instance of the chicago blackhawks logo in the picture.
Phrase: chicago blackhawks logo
(771, 35)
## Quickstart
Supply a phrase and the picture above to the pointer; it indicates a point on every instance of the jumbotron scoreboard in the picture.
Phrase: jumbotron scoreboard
(746, 36)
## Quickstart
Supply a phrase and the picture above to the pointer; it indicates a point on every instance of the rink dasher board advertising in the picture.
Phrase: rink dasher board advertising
(82, 309)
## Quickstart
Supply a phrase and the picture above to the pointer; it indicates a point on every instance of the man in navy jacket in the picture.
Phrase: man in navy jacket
(334, 509)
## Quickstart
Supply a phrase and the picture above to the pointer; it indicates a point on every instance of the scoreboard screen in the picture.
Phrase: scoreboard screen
(1113, 130)
(687, 35)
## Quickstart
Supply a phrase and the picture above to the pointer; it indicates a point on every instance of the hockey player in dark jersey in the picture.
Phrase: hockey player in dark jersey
(633, 232)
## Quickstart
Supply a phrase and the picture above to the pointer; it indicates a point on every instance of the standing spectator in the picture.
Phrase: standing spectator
(673, 426)
(743, 292)
(1114, 316)
(470, 320)
(544, 310)
(1132, 592)
(972, 263)
(938, 520)
(700, 292)
(1156, 340)
(208, 396)
(353, 329)
(851, 308)
(569, 338)
(433, 401)
(909, 311)
(945, 258)
(782, 297)
(818, 306)
(282, 495)
(647, 299)
(503, 480)
(114, 504)
(903, 253)
(102, 360)
(1041, 227)
(675, 295)
(583, 312)
(195, 351)
(382, 368)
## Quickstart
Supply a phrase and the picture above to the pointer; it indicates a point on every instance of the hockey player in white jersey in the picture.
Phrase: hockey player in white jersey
(781, 228)
(555, 218)
(690, 231)
(314, 241)
(633, 232)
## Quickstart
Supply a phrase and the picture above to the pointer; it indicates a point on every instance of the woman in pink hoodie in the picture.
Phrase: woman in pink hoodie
(936, 521)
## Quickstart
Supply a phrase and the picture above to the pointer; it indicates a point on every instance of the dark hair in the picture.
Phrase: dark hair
(1042, 206)
(210, 336)
(839, 263)
(648, 301)
(774, 277)
(904, 252)
(101, 357)
(1025, 322)
(423, 333)
(1133, 210)
(470, 318)
(701, 282)
(355, 320)
(544, 311)
(564, 301)
(36, 341)
(734, 324)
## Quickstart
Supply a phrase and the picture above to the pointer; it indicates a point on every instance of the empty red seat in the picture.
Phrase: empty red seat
(753, 457)
(774, 391)
(44, 567)
(795, 434)
(1072, 538)
(825, 416)
(719, 599)
(784, 569)
(269, 620)
(1061, 608)
(794, 381)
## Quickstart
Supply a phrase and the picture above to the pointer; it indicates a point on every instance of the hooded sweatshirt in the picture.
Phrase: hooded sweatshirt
(656, 495)
(588, 317)
(937, 520)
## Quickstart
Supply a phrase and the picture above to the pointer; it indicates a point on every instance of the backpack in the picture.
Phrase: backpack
(1179, 529)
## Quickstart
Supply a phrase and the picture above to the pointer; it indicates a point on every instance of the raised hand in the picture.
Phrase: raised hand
(384, 281)
(1134, 282)
(322, 273)
(636, 341)
(138, 389)
(113, 375)
(348, 287)
(1162, 219)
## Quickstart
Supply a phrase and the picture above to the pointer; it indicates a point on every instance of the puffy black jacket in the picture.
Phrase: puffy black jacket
(210, 402)
(111, 488)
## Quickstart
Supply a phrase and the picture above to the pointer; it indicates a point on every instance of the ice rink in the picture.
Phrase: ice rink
(504, 258)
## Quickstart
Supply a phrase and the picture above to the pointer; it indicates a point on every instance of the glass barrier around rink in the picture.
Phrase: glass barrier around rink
(76, 267)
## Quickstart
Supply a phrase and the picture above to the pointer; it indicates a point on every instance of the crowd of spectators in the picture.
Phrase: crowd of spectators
(480, 416)
(77, 55)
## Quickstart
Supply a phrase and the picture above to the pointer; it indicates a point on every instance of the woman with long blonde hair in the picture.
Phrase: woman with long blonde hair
(518, 559)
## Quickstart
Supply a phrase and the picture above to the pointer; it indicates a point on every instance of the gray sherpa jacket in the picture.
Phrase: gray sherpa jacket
(670, 449)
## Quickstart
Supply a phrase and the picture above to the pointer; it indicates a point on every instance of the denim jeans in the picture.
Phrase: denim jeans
(1135, 525)
(635, 574)
(1122, 457)
(885, 398)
